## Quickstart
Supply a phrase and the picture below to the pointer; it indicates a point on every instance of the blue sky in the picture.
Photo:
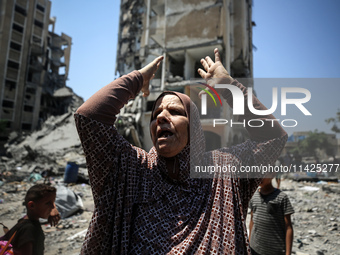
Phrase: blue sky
(294, 39)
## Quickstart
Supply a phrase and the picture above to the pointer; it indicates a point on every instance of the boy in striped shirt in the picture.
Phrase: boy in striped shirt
(270, 227)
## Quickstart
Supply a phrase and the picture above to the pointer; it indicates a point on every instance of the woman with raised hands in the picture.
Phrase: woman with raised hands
(146, 202)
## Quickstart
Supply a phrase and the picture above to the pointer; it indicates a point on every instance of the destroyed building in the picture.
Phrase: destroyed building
(34, 65)
(184, 31)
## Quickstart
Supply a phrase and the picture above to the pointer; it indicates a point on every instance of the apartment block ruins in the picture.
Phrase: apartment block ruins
(184, 31)
(34, 65)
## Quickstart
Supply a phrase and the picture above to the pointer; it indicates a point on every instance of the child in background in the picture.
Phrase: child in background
(270, 227)
(29, 237)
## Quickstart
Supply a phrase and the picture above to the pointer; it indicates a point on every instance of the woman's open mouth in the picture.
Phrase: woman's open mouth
(164, 134)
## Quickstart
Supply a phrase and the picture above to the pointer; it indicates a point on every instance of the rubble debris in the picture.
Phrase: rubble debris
(35, 177)
(45, 151)
(316, 219)
(79, 234)
(67, 202)
(301, 177)
(316, 216)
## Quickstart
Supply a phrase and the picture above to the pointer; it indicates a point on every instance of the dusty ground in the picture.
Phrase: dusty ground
(316, 219)
(60, 239)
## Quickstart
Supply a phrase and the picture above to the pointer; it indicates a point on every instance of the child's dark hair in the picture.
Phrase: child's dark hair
(37, 192)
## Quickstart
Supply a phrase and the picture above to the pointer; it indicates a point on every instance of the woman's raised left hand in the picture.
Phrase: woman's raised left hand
(213, 70)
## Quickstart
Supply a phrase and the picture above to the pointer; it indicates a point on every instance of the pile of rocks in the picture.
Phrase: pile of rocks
(45, 151)
(317, 217)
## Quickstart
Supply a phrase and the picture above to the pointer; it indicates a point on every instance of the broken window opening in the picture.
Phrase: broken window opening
(38, 23)
(40, 8)
(50, 29)
(176, 67)
(42, 101)
(46, 65)
(4, 124)
(35, 60)
(7, 104)
(15, 46)
(20, 10)
(4, 138)
(18, 28)
(12, 64)
(33, 77)
(30, 76)
(26, 126)
(28, 108)
(32, 60)
(62, 70)
(10, 85)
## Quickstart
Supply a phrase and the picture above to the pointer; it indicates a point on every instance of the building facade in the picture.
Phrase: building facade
(184, 31)
(34, 64)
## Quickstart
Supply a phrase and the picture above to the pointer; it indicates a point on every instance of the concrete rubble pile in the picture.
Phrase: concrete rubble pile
(44, 151)
(316, 220)
(42, 157)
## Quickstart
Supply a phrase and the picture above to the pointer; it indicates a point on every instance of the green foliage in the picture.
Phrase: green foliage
(335, 122)
(295, 150)
(314, 140)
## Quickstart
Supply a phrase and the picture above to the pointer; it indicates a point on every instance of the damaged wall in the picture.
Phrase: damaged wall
(34, 62)
(184, 31)
(156, 26)
(184, 23)
(130, 33)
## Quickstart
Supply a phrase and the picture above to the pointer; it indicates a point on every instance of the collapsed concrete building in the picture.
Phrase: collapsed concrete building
(184, 31)
(34, 66)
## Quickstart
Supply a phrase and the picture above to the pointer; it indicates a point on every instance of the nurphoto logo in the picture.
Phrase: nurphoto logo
(238, 104)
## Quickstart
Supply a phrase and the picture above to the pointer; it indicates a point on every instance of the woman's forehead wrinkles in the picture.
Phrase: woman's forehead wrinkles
(171, 100)
(183, 99)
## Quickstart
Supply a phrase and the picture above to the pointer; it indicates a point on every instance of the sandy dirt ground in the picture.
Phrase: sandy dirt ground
(315, 222)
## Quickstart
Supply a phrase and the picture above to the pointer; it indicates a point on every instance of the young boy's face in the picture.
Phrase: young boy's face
(44, 206)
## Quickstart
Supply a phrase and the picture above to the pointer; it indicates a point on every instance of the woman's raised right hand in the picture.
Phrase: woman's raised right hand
(148, 73)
